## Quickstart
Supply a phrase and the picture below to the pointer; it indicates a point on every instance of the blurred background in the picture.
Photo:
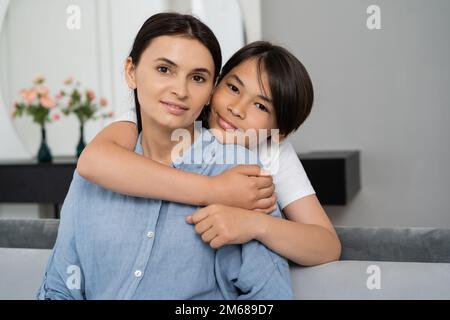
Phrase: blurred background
(382, 91)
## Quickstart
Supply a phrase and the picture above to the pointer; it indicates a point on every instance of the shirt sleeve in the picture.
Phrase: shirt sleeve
(252, 272)
(63, 277)
(289, 176)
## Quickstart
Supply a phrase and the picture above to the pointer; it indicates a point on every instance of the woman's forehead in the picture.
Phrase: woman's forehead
(184, 52)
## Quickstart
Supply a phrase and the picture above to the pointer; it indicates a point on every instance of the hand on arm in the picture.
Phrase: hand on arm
(221, 225)
(307, 238)
(110, 161)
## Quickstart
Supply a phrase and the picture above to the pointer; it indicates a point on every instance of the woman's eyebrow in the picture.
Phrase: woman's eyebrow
(167, 61)
(203, 70)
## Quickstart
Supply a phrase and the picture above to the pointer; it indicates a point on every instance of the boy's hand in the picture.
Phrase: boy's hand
(220, 225)
(244, 186)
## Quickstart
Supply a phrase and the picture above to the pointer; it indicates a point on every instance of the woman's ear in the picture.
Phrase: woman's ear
(130, 73)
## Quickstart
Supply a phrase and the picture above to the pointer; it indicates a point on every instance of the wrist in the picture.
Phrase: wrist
(208, 191)
(260, 227)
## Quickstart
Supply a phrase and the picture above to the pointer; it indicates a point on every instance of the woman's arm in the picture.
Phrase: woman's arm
(308, 238)
(110, 161)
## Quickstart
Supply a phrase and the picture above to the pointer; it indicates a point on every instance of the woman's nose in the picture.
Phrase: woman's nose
(180, 89)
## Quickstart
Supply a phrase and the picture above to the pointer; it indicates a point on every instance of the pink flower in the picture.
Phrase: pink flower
(47, 102)
(39, 79)
(90, 94)
(68, 81)
(15, 104)
(59, 96)
(103, 102)
(56, 117)
(42, 91)
(29, 95)
(110, 114)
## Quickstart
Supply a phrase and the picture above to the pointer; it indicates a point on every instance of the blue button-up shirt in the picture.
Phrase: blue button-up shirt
(113, 246)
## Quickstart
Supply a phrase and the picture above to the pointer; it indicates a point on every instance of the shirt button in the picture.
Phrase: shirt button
(150, 234)
(138, 273)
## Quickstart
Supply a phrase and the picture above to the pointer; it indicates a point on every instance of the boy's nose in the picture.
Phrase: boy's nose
(237, 111)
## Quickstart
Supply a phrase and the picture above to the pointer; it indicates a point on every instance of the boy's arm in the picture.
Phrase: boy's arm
(63, 278)
(110, 161)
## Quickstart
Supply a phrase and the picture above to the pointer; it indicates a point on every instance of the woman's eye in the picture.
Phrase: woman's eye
(163, 69)
(261, 107)
(198, 79)
(233, 88)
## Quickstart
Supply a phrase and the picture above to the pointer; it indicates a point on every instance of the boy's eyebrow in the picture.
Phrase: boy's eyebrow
(204, 70)
(265, 98)
(242, 84)
(238, 79)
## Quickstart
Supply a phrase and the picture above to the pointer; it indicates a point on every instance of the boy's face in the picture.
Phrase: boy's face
(242, 101)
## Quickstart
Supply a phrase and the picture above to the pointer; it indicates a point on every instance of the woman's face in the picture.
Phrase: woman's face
(243, 101)
(174, 79)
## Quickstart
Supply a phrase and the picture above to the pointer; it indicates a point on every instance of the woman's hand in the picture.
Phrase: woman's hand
(244, 186)
(220, 225)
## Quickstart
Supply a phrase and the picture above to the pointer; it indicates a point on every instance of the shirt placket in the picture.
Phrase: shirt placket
(144, 253)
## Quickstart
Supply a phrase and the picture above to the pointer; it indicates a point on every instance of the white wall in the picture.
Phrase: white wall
(35, 40)
(384, 92)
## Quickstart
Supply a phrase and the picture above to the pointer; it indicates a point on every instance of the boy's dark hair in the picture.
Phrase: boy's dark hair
(172, 24)
(289, 82)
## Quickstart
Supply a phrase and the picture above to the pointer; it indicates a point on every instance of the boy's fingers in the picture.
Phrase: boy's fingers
(266, 192)
(249, 169)
(203, 226)
(197, 216)
(263, 182)
(266, 203)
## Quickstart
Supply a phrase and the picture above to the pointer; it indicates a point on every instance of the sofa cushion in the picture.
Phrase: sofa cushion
(21, 272)
(357, 280)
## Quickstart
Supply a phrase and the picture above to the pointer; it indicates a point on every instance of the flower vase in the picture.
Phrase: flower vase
(44, 154)
(81, 143)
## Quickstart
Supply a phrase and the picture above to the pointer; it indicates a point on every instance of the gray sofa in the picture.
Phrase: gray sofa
(376, 263)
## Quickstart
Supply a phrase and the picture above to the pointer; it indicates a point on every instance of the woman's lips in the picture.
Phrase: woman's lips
(174, 109)
(224, 124)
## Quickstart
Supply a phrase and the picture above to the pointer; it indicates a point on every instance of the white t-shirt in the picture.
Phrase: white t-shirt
(289, 176)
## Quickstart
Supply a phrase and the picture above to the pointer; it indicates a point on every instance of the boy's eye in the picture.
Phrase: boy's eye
(233, 88)
(163, 69)
(262, 107)
(199, 79)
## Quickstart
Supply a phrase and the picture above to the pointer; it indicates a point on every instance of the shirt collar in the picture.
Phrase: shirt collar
(204, 142)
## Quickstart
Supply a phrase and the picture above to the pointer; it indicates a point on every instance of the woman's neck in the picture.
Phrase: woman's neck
(157, 143)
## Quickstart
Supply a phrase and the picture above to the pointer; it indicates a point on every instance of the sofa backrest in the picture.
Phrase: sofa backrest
(358, 243)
